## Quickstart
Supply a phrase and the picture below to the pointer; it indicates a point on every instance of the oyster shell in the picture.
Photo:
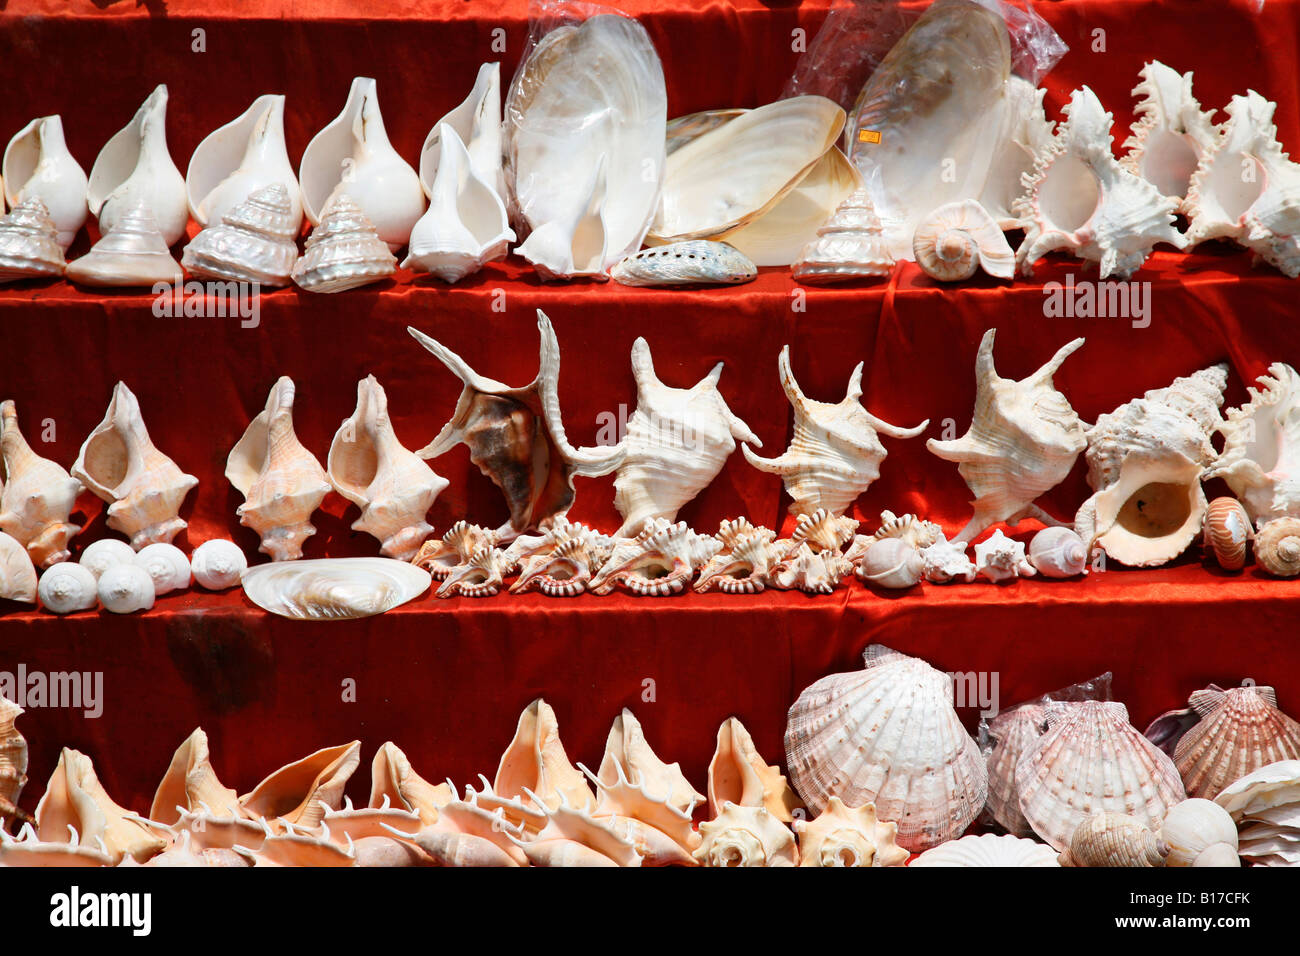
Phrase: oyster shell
(334, 589)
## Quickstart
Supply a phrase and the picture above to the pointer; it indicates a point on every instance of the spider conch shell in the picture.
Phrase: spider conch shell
(1114, 839)
(675, 443)
(988, 850)
(394, 782)
(661, 560)
(143, 487)
(841, 836)
(281, 481)
(29, 244)
(834, 454)
(17, 572)
(1277, 547)
(482, 574)
(13, 763)
(658, 828)
(36, 496)
(574, 837)
(1090, 759)
(957, 239)
(1200, 833)
(1145, 462)
(190, 785)
(390, 484)
(738, 774)
(746, 836)
(626, 747)
(469, 834)
(849, 245)
(75, 803)
(1000, 558)
(1171, 134)
(1240, 730)
(301, 847)
(535, 764)
(29, 850)
(888, 735)
(1022, 441)
(1260, 460)
(300, 793)
(744, 564)
(1014, 732)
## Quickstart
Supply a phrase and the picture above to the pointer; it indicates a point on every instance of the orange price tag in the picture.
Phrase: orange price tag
(868, 136)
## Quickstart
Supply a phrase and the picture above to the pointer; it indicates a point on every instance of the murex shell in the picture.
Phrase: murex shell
(744, 563)
(691, 262)
(661, 560)
(1260, 460)
(888, 735)
(36, 495)
(844, 836)
(1240, 730)
(1172, 133)
(334, 589)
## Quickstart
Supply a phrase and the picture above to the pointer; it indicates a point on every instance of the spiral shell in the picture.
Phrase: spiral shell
(68, 587)
(167, 565)
(100, 555)
(1114, 839)
(1197, 831)
(946, 561)
(1227, 529)
(1058, 553)
(746, 836)
(891, 563)
(959, 238)
(125, 588)
(1277, 547)
(218, 564)
(843, 836)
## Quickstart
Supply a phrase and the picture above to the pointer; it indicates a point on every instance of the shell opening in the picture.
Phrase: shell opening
(1236, 191)
(1071, 192)
(1168, 162)
(1155, 510)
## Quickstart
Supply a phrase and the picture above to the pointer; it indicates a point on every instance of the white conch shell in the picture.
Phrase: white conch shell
(844, 836)
(68, 587)
(477, 123)
(1277, 547)
(891, 563)
(99, 556)
(576, 245)
(391, 485)
(1260, 460)
(1013, 732)
(813, 572)
(535, 764)
(1022, 441)
(888, 735)
(134, 254)
(167, 565)
(134, 168)
(37, 165)
(1197, 831)
(1240, 730)
(1109, 839)
(946, 561)
(1171, 134)
(29, 244)
(281, 481)
(353, 157)
(1000, 558)
(125, 589)
(218, 564)
(1028, 134)
(1079, 198)
(739, 774)
(834, 453)
(957, 239)
(659, 561)
(466, 225)
(988, 850)
(36, 496)
(1092, 759)
(17, 573)
(1145, 462)
(1058, 553)
(674, 444)
(343, 252)
(746, 836)
(850, 244)
(255, 241)
(76, 803)
(143, 487)
(334, 589)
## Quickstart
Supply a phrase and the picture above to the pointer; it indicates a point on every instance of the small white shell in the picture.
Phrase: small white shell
(959, 238)
(100, 555)
(945, 561)
(68, 587)
(891, 563)
(1195, 827)
(1000, 558)
(124, 588)
(167, 565)
(17, 573)
(1058, 553)
(218, 564)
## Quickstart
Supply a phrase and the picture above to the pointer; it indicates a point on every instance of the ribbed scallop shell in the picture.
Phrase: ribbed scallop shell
(256, 241)
(29, 243)
(1114, 840)
(1260, 460)
(1014, 731)
(888, 735)
(988, 850)
(959, 238)
(1091, 759)
(343, 252)
(1227, 532)
(849, 245)
(1277, 547)
(1240, 730)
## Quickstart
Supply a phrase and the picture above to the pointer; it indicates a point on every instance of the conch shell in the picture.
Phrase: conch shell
(469, 834)
(1058, 553)
(39, 169)
(661, 560)
(458, 544)
(1260, 460)
(945, 561)
(190, 785)
(535, 765)
(840, 836)
(1000, 558)
(746, 836)
(891, 563)
(394, 782)
(75, 803)
(1114, 839)
(13, 764)
(958, 239)
(1240, 730)
(300, 793)
(1172, 134)
(36, 496)
(572, 836)
(738, 774)
(17, 573)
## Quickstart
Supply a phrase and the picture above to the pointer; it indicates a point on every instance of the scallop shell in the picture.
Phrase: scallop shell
(891, 563)
(1000, 558)
(1058, 553)
(1227, 531)
(739, 774)
(1198, 832)
(255, 241)
(1172, 134)
(1014, 732)
(834, 454)
(850, 244)
(334, 589)
(692, 262)
(1114, 840)
(840, 836)
(945, 561)
(13, 764)
(1240, 730)
(190, 785)
(29, 244)
(1261, 447)
(1277, 547)
(218, 564)
(98, 556)
(988, 850)
(536, 766)
(76, 806)
(460, 542)
(134, 253)
(957, 239)
(661, 560)
(881, 735)
(1022, 441)
(38, 169)
(343, 252)
(813, 572)
(482, 574)
(36, 496)
(125, 589)
(1088, 760)
(301, 793)
(67, 587)
(167, 565)
(746, 836)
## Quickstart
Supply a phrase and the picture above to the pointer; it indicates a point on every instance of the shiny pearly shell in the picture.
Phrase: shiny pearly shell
(67, 587)
(333, 589)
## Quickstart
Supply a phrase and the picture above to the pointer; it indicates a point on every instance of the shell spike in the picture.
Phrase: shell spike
(854, 392)
(984, 366)
(1044, 375)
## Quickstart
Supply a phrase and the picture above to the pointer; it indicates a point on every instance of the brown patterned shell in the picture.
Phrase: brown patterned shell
(13, 762)
(1015, 731)
(1227, 530)
(1114, 839)
(1240, 731)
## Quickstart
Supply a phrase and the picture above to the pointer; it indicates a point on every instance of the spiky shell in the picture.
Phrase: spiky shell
(1197, 832)
(660, 831)
(31, 850)
(746, 836)
(75, 802)
(29, 243)
(840, 836)
(481, 575)
(1000, 558)
(1227, 532)
(739, 774)
(1260, 460)
(564, 568)
(1114, 840)
(394, 782)
(891, 563)
(813, 572)
(958, 239)
(343, 252)
(823, 531)
(626, 747)
(535, 764)
(458, 542)
(915, 531)
(946, 561)
(299, 794)
(191, 785)
(1277, 547)
(849, 245)
(1014, 731)
(572, 836)
(1241, 730)
(469, 833)
(888, 735)
(743, 565)
(1029, 135)
(1171, 133)
(661, 560)
(988, 850)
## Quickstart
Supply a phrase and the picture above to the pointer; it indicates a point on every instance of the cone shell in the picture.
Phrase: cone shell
(1227, 531)
(29, 243)
(988, 850)
(746, 836)
(1014, 731)
(343, 252)
(1114, 840)
(1277, 547)
(134, 253)
(840, 836)
(1240, 730)
(256, 241)
(958, 239)
(849, 245)
(36, 495)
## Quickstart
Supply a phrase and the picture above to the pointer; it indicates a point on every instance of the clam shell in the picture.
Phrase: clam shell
(1240, 730)
(333, 589)
(988, 850)
(67, 587)
(694, 262)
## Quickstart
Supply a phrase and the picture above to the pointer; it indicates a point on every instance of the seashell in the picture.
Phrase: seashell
(660, 832)
(1014, 732)
(477, 123)
(299, 794)
(134, 253)
(1145, 462)
(367, 824)
(1277, 547)
(481, 575)
(822, 530)
(881, 735)
(915, 531)
(393, 782)
(67, 587)
(120, 464)
(946, 561)
(352, 157)
(988, 850)
(1240, 730)
(957, 239)
(535, 765)
(184, 852)
(461, 541)
(190, 785)
(1227, 531)
(850, 244)
(1028, 134)
(1088, 760)
(738, 774)
(691, 262)
(577, 245)
(573, 837)
(661, 560)
(469, 834)
(13, 765)
(1080, 199)
(208, 830)
(1171, 134)
(564, 565)
(99, 556)
(76, 806)
(297, 848)
(840, 836)
(565, 132)
(36, 495)
(891, 563)
(218, 564)
(683, 129)
(135, 169)
(38, 167)
(1114, 839)
(813, 572)
(742, 567)
(466, 225)
(1000, 558)
(1198, 832)
(515, 435)
(29, 850)
(281, 481)
(334, 589)
(1274, 786)
(254, 241)
(626, 749)
(389, 483)
(343, 252)
(746, 836)
(1261, 440)
(167, 565)
(1022, 441)
(835, 453)
(125, 589)
(29, 244)
(244, 158)
(1058, 553)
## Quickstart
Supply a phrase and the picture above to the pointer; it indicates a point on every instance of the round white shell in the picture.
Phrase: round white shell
(1195, 826)
(1058, 553)
(218, 564)
(989, 850)
(167, 565)
(68, 587)
(891, 563)
(330, 589)
(100, 555)
(125, 588)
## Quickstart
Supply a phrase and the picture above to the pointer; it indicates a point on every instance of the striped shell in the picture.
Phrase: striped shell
(988, 850)
(1277, 547)
(1114, 839)
(1015, 731)
(1227, 529)
(1241, 730)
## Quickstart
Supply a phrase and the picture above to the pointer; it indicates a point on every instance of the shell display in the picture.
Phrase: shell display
(739, 774)
(626, 749)
(746, 836)
(29, 244)
(743, 566)
(659, 561)
(1227, 532)
(660, 832)
(218, 564)
(469, 834)
(576, 245)
(822, 530)
(190, 785)
(36, 495)
(1200, 833)
(675, 443)
(482, 574)
(13, 763)
(38, 168)
(1022, 441)
(840, 836)
(167, 565)
(1266, 807)
(917, 532)
(394, 782)
(100, 555)
(461, 541)
(813, 572)
(1028, 135)
(1260, 460)
(1277, 547)
(888, 735)
(67, 587)
(133, 254)
(835, 453)
(1145, 462)
(891, 563)
(946, 561)
(1172, 133)
(301, 793)
(692, 262)
(343, 252)
(254, 241)
(536, 766)
(1014, 732)
(849, 245)
(1091, 759)
(573, 837)
(1000, 558)
(960, 238)
(334, 589)
(1058, 553)
(562, 566)
(76, 806)
(477, 124)
(1240, 730)
(125, 589)
(988, 850)
(391, 485)
(281, 481)
(1080, 199)
(29, 850)
(143, 487)
(1114, 839)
